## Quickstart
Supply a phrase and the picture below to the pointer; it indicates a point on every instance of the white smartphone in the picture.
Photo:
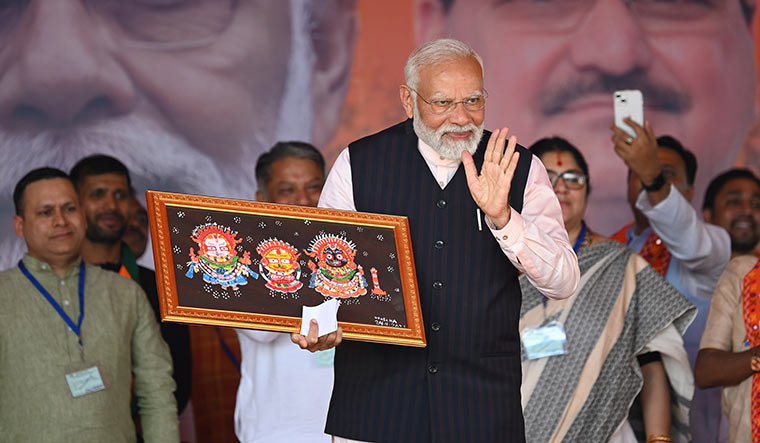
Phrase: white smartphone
(628, 103)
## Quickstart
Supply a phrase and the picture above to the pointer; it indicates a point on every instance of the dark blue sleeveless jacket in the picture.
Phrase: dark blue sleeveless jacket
(465, 385)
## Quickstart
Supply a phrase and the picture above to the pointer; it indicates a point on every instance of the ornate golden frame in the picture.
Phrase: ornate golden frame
(171, 310)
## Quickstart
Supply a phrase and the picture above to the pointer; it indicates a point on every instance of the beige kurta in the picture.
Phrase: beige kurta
(725, 331)
(37, 349)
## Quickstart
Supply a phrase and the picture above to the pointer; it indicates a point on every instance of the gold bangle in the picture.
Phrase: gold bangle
(659, 437)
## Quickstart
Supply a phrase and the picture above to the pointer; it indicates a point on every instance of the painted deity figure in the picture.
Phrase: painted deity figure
(217, 257)
(279, 265)
(335, 274)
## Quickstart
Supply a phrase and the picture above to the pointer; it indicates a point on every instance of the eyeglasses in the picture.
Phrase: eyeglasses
(651, 15)
(572, 179)
(150, 24)
(445, 105)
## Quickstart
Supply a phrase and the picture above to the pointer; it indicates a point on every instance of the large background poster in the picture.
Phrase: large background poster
(189, 96)
(551, 67)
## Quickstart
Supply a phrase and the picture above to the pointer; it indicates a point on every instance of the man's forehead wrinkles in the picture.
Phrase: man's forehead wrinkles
(51, 203)
(441, 95)
(106, 187)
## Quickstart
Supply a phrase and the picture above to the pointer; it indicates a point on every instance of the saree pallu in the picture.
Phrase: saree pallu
(622, 308)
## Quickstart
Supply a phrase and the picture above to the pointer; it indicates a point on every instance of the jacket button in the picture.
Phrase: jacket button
(437, 285)
(439, 244)
(433, 369)
(441, 203)
(435, 326)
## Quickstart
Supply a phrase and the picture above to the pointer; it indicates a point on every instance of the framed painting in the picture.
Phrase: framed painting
(254, 265)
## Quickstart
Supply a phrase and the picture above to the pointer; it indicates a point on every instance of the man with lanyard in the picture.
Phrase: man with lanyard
(103, 184)
(677, 243)
(72, 336)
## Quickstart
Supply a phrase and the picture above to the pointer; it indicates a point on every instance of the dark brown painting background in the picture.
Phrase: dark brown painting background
(376, 247)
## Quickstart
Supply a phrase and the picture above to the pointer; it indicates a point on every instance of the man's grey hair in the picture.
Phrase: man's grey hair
(281, 150)
(434, 52)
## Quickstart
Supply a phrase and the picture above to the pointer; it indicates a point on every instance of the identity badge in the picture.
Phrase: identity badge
(84, 380)
(324, 359)
(544, 341)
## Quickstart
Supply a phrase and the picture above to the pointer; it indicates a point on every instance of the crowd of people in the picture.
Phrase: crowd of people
(538, 327)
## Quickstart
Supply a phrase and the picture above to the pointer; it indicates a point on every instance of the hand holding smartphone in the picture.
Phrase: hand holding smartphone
(628, 103)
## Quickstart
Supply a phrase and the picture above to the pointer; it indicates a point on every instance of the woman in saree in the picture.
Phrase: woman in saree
(590, 360)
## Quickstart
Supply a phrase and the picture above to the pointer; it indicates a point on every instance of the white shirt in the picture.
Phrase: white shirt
(702, 249)
(535, 241)
(700, 252)
(284, 391)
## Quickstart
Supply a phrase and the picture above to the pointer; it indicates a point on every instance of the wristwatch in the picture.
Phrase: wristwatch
(656, 185)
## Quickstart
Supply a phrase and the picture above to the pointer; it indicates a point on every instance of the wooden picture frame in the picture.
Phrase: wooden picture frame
(247, 264)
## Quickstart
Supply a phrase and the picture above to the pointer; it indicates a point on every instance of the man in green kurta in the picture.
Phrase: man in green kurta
(73, 337)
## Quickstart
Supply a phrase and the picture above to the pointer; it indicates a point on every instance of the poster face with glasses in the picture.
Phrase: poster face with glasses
(255, 265)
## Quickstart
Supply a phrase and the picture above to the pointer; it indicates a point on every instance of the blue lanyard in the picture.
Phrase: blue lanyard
(77, 328)
(581, 236)
(226, 349)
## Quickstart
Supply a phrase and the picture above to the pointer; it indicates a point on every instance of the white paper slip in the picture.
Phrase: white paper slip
(326, 315)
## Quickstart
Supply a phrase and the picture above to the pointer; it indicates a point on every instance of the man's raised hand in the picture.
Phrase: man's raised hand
(490, 188)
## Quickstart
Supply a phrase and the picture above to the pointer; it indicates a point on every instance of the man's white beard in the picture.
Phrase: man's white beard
(162, 160)
(446, 147)
(158, 159)
(155, 158)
